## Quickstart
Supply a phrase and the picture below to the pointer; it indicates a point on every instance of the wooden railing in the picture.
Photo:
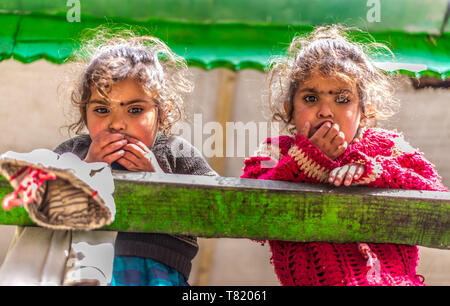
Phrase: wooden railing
(225, 207)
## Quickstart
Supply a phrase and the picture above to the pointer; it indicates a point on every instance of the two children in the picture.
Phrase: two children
(131, 93)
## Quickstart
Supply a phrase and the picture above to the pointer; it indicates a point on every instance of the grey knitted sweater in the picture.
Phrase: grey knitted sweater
(174, 155)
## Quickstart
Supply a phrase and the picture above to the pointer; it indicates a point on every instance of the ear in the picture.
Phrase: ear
(83, 114)
(362, 121)
(287, 107)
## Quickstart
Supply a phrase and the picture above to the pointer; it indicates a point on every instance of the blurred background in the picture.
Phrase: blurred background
(228, 45)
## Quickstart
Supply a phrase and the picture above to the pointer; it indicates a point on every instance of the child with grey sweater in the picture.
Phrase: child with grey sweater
(129, 96)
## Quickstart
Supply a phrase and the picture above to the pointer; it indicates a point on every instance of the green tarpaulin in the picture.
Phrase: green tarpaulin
(234, 34)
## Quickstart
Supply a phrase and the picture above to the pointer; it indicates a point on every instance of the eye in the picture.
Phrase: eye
(310, 99)
(101, 110)
(135, 110)
(342, 100)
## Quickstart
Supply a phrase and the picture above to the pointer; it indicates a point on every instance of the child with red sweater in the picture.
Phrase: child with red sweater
(334, 95)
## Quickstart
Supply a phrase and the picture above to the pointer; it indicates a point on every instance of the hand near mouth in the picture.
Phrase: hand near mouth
(106, 147)
(328, 138)
(138, 157)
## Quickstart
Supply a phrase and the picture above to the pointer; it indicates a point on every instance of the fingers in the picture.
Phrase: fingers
(134, 151)
(346, 174)
(332, 175)
(128, 151)
(137, 142)
(103, 145)
(104, 138)
(127, 163)
(350, 175)
(337, 175)
(321, 132)
(340, 150)
(132, 157)
(112, 157)
(113, 147)
(135, 155)
(133, 163)
(359, 171)
(332, 132)
(137, 148)
(330, 140)
(338, 139)
(327, 131)
(140, 155)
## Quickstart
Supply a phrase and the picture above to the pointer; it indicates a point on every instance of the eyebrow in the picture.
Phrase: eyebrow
(313, 90)
(121, 103)
(308, 90)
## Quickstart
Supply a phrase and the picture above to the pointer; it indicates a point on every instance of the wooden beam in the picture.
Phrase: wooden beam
(215, 207)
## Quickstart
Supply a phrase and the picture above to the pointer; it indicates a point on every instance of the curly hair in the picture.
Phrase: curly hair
(115, 54)
(329, 51)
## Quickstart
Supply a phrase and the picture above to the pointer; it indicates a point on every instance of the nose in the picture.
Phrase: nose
(324, 111)
(117, 124)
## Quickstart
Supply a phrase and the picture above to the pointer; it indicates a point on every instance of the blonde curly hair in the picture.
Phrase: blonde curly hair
(110, 54)
(329, 51)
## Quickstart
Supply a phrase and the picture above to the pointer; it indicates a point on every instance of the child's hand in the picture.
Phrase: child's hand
(138, 157)
(105, 147)
(348, 173)
(327, 138)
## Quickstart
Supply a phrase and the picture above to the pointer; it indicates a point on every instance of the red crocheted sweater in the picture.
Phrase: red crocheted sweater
(390, 163)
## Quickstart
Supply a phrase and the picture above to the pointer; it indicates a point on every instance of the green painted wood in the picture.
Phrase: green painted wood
(257, 209)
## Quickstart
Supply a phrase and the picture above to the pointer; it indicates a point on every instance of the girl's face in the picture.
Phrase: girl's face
(129, 110)
(326, 99)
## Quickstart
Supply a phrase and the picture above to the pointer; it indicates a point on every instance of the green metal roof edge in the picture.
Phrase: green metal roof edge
(236, 63)
(229, 65)
(239, 66)
(412, 15)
